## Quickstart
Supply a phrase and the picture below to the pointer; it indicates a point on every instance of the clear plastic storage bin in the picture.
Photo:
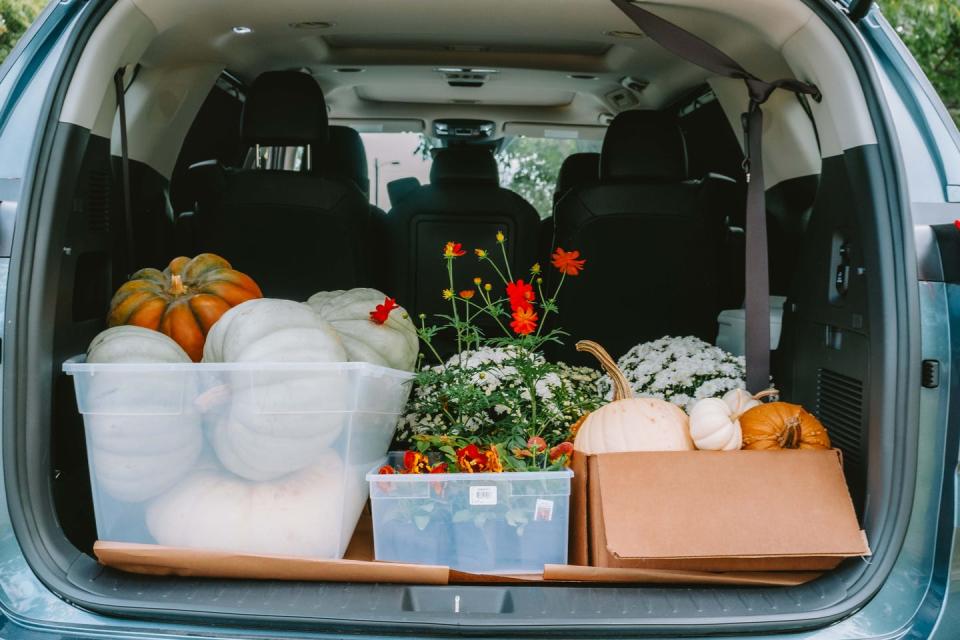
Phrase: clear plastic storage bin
(245, 457)
(506, 523)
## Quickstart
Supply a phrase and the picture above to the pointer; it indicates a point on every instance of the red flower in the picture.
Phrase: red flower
(453, 250)
(470, 459)
(440, 467)
(382, 312)
(415, 462)
(520, 294)
(537, 444)
(562, 449)
(493, 460)
(386, 469)
(567, 262)
(524, 321)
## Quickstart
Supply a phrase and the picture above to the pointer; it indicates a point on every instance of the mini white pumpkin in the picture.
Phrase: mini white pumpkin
(296, 515)
(715, 422)
(388, 339)
(137, 448)
(628, 423)
(277, 421)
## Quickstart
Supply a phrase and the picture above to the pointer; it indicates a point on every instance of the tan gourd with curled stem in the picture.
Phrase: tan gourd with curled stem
(628, 423)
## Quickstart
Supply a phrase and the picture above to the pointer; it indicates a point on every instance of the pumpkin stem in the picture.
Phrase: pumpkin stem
(621, 386)
(176, 285)
(766, 393)
(790, 437)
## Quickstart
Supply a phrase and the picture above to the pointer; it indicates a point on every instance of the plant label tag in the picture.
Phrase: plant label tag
(483, 496)
(543, 511)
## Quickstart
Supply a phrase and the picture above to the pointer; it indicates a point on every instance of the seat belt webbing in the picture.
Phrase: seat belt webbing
(701, 53)
(125, 169)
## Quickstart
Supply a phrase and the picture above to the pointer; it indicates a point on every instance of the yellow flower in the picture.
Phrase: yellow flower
(477, 281)
(481, 253)
(488, 287)
(535, 269)
(500, 236)
(448, 294)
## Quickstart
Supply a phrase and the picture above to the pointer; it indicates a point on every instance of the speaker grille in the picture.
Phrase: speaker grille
(97, 203)
(840, 408)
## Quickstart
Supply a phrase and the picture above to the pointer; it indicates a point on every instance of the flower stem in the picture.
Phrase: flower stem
(506, 262)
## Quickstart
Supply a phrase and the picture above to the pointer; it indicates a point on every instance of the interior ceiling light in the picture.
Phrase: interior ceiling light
(240, 30)
(464, 70)
(349, 69)
(617, 33)
(312, 24)
(582, 76)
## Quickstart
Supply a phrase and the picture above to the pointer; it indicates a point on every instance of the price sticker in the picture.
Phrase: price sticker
(483, 496)
(543, 511)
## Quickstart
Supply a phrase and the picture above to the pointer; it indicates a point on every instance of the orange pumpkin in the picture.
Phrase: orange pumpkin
(182, 301)
(781, 425)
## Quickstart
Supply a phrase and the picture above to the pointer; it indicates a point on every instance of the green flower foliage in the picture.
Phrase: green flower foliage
(931, 30)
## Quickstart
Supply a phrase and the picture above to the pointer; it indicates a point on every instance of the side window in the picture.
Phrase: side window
(214, 135)
(392, 156)
(530, 166)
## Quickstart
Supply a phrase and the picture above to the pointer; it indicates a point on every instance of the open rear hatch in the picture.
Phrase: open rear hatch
(849, 335)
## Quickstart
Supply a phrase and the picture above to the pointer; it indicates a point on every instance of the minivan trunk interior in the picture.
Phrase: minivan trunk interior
(835, 241)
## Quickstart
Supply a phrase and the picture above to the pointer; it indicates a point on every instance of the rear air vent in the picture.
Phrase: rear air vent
(840, 408)
(97, 204)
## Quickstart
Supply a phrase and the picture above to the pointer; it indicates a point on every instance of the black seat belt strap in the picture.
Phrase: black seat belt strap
(125, 169)
(701, 53)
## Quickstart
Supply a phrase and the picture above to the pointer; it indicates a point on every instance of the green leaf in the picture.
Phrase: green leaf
(463, 515)
(421, 521)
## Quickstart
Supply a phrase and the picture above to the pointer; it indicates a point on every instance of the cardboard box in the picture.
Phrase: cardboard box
(713, 511)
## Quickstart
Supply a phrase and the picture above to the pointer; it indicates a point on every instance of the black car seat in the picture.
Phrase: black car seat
(651, 237)
(294, 232)
(463, 203)
(345, 158)
(577, 170)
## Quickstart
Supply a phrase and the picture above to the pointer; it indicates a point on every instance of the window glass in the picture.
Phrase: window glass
(530, 166)
(391, 156)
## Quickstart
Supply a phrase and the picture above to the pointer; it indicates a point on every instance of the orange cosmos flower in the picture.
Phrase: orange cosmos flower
(467, 294)
(382, 311)
(567, 261)
(524, 321)
(520, 294)
(453, 250)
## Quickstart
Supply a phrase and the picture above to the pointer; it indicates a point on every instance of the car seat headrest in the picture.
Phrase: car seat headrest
(459, 165)
(284, 108)
(643, 145)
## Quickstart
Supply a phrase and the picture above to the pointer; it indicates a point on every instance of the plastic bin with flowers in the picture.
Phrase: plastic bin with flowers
(484, 484)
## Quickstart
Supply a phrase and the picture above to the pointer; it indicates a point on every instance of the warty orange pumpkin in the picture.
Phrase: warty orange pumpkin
(182, 301)
(781, 425)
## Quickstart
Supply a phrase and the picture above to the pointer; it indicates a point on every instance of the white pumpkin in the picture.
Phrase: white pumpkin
(715, 422)
(132, 344)
(140, 438)
(627, 423)
(277, 421)
(298, 515)
(271, 330)
(390, 343)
